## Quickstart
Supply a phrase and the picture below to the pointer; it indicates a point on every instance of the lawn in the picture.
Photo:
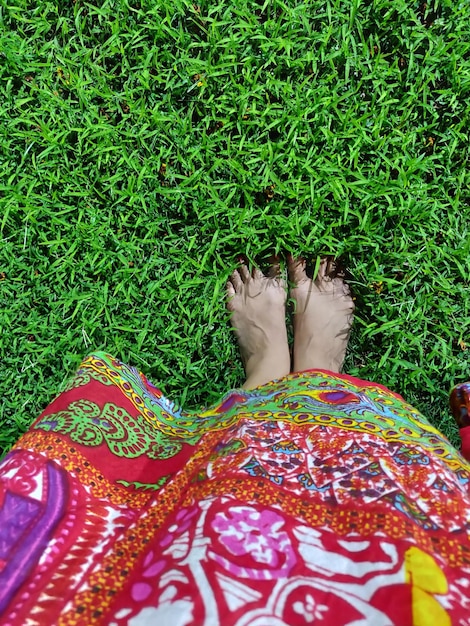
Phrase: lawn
(143, 145)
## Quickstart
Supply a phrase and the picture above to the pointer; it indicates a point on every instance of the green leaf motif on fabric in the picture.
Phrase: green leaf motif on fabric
(126, 436)
(228, 448)
(146, 486)
(83, 377)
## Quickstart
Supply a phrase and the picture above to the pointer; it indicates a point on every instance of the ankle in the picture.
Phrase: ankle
(311, 359)
(317, 364)
(271, 365)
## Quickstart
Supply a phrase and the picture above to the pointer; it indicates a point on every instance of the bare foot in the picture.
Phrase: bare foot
(322, 319)
(258, 303)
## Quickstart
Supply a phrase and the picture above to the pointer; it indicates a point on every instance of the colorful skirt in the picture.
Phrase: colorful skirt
(314, 498)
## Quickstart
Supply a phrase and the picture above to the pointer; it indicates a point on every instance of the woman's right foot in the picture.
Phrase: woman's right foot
(323, 317)
(257, 303)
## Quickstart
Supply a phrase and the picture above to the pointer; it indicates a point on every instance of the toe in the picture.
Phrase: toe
(334, 268)
(235, 281)
(244, 273)
(257, 274)
(297, 269)
(322, 274)
(347, 294)
(230, 294)
(342, 291)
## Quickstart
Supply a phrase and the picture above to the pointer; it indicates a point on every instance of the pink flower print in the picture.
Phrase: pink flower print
(142, 590)
(183, 520)
(255, 537)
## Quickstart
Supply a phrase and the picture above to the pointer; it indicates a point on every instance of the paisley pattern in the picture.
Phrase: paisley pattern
(87, 423)
(84, 376)
(315, 498)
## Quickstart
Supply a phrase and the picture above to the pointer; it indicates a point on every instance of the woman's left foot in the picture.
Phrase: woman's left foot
(258, 303)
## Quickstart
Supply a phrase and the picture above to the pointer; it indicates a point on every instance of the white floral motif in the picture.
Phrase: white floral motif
(177, 612)
(310, 610)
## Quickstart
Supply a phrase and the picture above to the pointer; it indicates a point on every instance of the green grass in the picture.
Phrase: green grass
(143, 145)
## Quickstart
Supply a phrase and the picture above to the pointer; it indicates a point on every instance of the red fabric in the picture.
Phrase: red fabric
(315, 499)
(358, 382)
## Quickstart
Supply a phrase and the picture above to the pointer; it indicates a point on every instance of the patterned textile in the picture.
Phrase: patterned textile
(318, 498)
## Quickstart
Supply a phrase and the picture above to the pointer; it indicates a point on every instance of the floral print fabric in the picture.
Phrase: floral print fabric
(318, 498)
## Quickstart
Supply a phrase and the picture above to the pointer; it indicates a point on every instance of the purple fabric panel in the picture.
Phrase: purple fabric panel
(17, 515)
(26, 553)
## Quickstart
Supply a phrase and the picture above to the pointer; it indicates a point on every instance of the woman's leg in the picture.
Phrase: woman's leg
(322, 319)
(257, 304)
